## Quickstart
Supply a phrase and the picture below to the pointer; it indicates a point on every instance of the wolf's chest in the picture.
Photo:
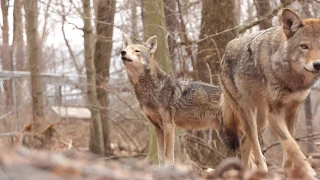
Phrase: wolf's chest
(295, 97)
(152, 114)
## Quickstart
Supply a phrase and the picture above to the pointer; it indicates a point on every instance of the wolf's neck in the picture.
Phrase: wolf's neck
(152, 81)
(156, 71)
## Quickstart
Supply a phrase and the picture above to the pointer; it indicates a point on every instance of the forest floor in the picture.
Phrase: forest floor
(66, 156)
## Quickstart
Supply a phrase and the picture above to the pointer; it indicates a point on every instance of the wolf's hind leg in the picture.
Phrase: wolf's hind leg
(251, 129)
(245, 151)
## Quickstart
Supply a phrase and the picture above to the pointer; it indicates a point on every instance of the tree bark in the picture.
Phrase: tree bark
(134, 19)
(102, 55)
(5, 53)
(34, 56)
(96, 144)
(216, 17)
(263, 8)
(171, 18)
(18, 51)
(154, 24)
(308, 116)
(285, 2)
(305, 9)
(18, 35)
(185, 40)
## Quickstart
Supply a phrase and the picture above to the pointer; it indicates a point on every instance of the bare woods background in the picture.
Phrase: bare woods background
(60, 64)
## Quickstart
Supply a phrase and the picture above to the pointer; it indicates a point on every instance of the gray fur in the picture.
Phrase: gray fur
(265, 77)
(169, 102)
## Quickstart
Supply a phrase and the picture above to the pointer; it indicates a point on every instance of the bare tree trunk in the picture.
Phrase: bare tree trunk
(96, 144)
(308, 116)
(5, 53)
(285, 2)
(102, 55)
(185, 40)
(34, 56)
(154, 24)
(134, 19)
(170, 11)
(263, 8)
(18, 35)
(217, 16)
(171, 17)
(17, 50)
(305, 9)
(45, 32)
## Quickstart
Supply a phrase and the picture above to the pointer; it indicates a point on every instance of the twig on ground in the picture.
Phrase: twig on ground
(201, 142)
(126, 134)
(123, 156)
(9, 134)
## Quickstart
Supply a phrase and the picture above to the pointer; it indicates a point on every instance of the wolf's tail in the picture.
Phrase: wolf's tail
(229, 138)
(230, 126)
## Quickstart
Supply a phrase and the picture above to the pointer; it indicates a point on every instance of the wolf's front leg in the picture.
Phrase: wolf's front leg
(168, 131)
(291, 121)
(160, 145)
(295, 155)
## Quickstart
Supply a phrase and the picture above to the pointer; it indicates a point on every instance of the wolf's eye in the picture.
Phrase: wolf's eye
(137, 51)
(304, 46)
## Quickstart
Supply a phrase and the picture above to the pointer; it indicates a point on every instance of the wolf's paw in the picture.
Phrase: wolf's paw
(312, 174)
(263, 167)
(304, 172)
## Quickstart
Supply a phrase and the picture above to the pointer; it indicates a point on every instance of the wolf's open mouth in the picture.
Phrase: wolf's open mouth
(126, 59)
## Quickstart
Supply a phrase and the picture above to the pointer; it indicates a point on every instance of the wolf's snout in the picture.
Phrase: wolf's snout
(123, 53)
(316, 65)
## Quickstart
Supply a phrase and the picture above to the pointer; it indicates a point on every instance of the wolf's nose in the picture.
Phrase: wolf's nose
(316, 65)
(123, 53)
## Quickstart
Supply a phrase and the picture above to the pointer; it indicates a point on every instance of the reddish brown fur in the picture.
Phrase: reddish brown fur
(265, 77)
(168, 102)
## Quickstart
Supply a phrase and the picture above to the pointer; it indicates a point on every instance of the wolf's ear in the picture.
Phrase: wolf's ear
(291, 22)
(151, 44)
(126, 41)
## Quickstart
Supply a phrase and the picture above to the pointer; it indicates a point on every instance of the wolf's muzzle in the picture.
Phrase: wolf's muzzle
(123, 56)
(316, 65)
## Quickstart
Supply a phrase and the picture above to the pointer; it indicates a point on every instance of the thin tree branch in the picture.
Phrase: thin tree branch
(301, 138)
(267, 16)
(73, 58)
(123, 156)
(44, 29)
(201, 142)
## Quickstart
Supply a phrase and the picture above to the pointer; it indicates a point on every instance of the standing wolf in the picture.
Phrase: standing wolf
(264, 77)
(167, 102)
